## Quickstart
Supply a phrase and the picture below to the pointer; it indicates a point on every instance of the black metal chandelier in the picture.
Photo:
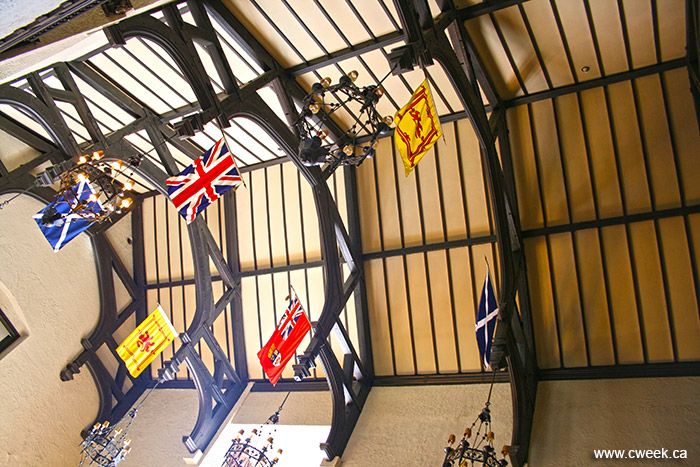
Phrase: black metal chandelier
(108, 194)
(107, 445)
(253, 450)
(479, 450)
(316, 148)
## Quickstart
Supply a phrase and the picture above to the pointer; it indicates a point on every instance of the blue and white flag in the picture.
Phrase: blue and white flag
(486, 320)
(64, 225)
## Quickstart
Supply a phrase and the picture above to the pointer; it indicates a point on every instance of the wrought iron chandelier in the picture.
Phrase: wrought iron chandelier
(253, 450)
(108, 194)
(480, 450)
(316, 148)
(107, 445)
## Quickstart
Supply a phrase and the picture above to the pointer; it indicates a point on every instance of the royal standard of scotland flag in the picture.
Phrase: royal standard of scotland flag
(65, 226)
(486, 320)
(200, 184)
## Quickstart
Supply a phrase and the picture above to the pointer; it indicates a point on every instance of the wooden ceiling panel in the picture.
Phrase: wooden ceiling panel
(657, 143)
(544, 320)
(638, 21)
(450, 184)
(606, 21)
(549, 163)
(575, 158)
(465, 296)
(510, 22)
(684, 131)
(379, 318)
(525, 168)
(682, 292)
(672, 36)
(431, 202)
(652, 306)
(443, 311)
(567, 302)
(578, 37)
(399, 310)
(602, 153)
(631, 164)
(596, 313)
(622, 295)
(423, 326)
(544, 27)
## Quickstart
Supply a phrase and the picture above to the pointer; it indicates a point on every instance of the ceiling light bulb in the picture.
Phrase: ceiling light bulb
(353, 75)
(129, 185)
(97, 155)
(126, 202)
(82, 160)
(81, 177)
(349, 150)
(388, 119)
(314, 108)
(92, 198)
(379, 91)
(325, 82)
(323, 134)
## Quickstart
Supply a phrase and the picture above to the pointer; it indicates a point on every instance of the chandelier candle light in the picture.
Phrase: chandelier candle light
(316, 148)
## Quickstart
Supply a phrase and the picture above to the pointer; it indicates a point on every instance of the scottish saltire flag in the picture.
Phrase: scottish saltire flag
(64, 226)
(200, 184)
(290, 331)
(486, 320)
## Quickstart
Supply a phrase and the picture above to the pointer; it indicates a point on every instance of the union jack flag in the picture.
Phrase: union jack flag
(203, 182)
(295, 311)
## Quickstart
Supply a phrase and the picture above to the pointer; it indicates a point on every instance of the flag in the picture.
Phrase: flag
(59, 224)
(486, 320)
(149, 339)
(200, 184)
(289, 333)
(417, 127)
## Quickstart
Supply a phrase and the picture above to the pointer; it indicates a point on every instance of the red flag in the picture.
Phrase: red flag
(290, 331)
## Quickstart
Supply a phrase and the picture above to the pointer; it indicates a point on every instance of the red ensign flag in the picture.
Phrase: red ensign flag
(284, 341)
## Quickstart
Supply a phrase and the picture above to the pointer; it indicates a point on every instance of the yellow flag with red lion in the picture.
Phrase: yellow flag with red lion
(417, 127)
(149, 339)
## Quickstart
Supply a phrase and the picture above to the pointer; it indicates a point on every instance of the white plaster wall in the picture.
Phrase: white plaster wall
(572, 418)
(53, 299)
(164, 418)
(302, 408)
(409, 426)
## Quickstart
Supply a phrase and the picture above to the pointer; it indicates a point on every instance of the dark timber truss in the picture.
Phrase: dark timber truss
(351, 379)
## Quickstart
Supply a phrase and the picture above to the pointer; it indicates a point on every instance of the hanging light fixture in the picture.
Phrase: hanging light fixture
(109, 194)
(107, 445)
(315, 147)
(478, 450)
(253, 449)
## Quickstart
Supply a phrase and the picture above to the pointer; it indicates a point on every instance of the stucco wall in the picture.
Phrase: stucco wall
(164, 418)
(409, 426)
(52, 298)
(572, 418)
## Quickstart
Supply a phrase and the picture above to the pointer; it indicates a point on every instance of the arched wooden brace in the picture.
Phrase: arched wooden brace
(106, 260)
(180, 48)
(40, 112)
(350, 383)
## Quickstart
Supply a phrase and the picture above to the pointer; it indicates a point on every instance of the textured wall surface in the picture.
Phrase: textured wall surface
(409, 426)
(302, 408)
(572, 418)
(53, 300)
(164, 418)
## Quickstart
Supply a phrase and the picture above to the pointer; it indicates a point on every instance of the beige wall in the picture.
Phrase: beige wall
(409, 426)
(572, 418)
(52, 299)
